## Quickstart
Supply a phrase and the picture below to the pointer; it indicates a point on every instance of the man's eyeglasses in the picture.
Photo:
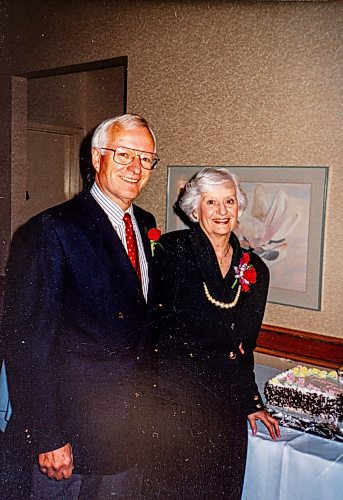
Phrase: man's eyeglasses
(125, 156)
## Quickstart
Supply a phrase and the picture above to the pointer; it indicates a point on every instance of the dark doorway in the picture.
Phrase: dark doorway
(53, 113)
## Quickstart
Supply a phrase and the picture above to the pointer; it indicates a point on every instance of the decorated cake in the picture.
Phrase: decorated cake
(309, 391)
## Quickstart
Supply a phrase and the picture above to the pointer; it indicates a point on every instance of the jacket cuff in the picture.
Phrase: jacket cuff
(255, 403)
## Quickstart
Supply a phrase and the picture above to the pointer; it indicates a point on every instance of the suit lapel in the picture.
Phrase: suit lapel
(104, 238)
(205, 257)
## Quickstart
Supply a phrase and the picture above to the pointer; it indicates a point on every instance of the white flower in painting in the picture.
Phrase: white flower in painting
(267, 225)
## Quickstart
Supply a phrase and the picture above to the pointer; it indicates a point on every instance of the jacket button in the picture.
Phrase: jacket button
(232, 355)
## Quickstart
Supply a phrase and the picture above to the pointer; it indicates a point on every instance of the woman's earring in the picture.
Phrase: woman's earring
(195, 216)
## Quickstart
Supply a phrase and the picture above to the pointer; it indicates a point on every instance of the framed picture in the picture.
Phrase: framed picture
(284, 223)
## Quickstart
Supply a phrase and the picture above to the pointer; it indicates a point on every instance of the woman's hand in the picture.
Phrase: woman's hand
(270, 422)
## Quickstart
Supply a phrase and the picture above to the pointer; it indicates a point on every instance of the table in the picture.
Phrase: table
(298, 466)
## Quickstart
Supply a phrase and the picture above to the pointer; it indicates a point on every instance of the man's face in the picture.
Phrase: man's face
(122, 183)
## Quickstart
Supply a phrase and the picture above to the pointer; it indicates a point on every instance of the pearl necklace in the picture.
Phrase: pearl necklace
(222, 305)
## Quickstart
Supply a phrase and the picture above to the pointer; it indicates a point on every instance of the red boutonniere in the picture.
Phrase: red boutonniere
(154, 235)
(245, 273)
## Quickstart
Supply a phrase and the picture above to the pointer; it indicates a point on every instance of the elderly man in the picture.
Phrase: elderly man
(78, 325)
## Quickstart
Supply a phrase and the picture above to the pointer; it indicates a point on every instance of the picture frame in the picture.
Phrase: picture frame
(284, 223)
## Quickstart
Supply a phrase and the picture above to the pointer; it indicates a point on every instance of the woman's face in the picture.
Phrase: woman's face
(217, 212)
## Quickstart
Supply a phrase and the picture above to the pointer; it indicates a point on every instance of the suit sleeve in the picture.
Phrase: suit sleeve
(32, 312)
(250, 321)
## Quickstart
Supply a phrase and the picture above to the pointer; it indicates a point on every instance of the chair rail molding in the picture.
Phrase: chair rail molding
(305, 347)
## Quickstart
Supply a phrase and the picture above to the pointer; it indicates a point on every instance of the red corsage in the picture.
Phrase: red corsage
(245, 273)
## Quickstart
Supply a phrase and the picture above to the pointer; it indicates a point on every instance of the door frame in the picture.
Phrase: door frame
(19, 124)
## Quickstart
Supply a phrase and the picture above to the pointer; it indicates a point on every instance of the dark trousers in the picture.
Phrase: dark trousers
(20, 481)
(126, 485)
(15, 470)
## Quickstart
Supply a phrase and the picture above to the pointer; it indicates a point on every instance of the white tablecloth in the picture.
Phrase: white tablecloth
(298, 466)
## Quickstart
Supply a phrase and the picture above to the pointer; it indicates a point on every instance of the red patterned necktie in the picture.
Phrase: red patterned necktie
(131, 243)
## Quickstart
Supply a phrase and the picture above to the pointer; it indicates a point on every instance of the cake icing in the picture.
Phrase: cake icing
(307, 390)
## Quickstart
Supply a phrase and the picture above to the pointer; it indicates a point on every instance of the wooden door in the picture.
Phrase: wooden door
(52, 166)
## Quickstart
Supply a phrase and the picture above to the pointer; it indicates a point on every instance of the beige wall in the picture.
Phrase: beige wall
(241, 83)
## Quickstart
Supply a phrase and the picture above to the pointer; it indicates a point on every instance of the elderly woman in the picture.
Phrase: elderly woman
(213, 296)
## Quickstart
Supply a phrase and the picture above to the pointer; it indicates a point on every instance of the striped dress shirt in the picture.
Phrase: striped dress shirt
(115, 215)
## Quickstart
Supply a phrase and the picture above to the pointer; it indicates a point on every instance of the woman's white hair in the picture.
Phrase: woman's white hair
(127, 121)
(203, 182)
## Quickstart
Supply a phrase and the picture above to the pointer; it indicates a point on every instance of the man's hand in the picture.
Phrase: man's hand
(270, 422)
(57, 464)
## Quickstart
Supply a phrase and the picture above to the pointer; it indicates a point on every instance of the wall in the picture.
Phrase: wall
(222, 83)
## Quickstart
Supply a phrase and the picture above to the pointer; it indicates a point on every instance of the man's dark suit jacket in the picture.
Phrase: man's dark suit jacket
(79, 335)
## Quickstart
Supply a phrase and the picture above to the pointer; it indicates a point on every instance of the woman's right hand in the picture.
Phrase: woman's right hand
(270, 422)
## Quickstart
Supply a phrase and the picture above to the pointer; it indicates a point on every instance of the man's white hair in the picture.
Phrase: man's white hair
(127, 121)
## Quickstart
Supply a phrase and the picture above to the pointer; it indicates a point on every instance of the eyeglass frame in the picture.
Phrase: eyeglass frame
(156, 159)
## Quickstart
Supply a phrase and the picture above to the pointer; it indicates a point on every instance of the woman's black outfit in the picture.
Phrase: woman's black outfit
(207, 387)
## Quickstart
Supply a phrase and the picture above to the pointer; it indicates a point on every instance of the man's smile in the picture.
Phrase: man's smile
(129, 179)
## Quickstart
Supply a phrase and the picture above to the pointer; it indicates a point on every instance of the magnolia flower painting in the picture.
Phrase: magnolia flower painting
(274, 225)
(267, 225)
